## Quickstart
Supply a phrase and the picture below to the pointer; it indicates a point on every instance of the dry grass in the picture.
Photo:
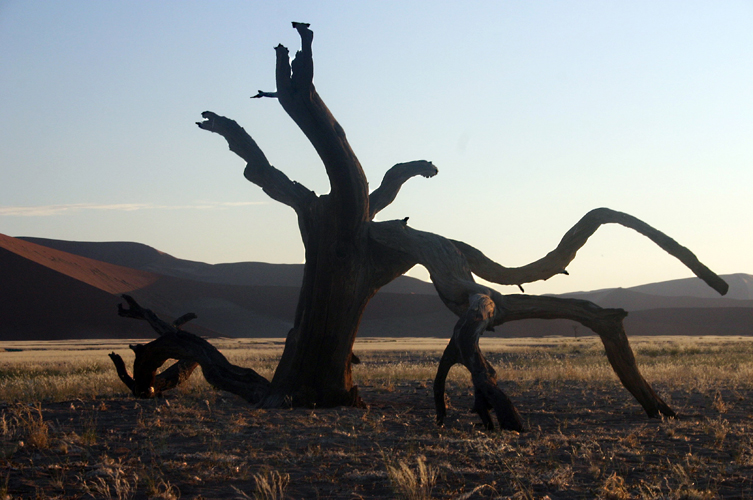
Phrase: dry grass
(64, 436)
(410, 483)
(270, 485)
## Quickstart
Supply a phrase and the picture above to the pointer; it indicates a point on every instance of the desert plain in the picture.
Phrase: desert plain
(70, 429)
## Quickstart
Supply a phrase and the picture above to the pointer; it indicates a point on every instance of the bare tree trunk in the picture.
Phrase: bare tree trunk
(315, 368)
(343, 268)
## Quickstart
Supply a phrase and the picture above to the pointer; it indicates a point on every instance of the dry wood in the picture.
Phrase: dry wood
(556, 261)
(150, 384)
(394, 179)
(217, 370)
(463, 348)
(164, 381)
(451, 275)
(348, 257)
(190, 351)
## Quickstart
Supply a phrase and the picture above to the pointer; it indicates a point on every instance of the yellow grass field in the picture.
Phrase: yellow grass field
(70, 429)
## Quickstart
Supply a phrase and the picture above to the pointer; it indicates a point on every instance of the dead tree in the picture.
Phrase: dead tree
(349, 257)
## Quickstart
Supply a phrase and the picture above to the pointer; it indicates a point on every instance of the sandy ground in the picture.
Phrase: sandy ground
(582, 443)
(585, 440)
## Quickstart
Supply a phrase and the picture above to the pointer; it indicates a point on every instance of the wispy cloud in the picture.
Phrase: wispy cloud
(49, 210)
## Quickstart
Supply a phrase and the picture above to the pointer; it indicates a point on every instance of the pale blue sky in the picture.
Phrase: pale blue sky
(534, 113)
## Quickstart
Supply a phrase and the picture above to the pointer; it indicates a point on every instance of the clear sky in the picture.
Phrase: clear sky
(534, 113)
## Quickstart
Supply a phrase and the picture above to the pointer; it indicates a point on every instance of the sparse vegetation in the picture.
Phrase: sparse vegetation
(587, 437)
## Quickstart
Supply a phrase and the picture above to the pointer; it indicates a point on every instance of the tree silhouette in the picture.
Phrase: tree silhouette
(349, 257)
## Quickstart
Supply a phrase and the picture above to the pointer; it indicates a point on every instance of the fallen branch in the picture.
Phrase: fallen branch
(190, 351)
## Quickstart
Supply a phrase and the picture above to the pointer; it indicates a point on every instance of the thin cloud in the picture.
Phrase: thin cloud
(50, 210)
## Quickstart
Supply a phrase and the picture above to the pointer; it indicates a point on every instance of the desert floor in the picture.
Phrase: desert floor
(70, 429)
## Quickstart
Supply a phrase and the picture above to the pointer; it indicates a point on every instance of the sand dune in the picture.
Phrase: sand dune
(40, 303)
(38, 279)
(49, 294)
(107, 277)
(56, 289)
(632, 300)
(146, 258)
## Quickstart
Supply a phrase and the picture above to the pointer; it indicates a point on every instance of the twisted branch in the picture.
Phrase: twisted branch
(190, 351)
(258, 170)
(463, 348)
(480, 308)
(558, 259)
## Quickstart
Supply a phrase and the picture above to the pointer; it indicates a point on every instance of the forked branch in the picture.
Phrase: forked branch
(297, 95)
(448, 268)
(190, 351)
(217, 370)
(167, 379)
(463, 348)
(481, 308)
(164, 381)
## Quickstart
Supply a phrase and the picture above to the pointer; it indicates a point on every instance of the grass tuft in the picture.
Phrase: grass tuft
(614, 488)
(409, 483)
(23, 425)
(270, 485)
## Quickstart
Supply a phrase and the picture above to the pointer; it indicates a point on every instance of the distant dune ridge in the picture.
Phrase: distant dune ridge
(54, 289)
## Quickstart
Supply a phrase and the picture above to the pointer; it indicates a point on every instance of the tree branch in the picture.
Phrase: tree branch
(160, 326)
(447, 267)
(187, 347)
(558, 259)
(258, 170)
(453, 280)
(463, 348)
(122, 371)
(261, 93)
(190, 351)
(484, 311)
(297, 95)
(394, 179)
(607, 323)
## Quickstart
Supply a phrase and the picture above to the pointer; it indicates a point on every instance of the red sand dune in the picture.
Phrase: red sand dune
(106, 277)
(48, 293)
(40, 303)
